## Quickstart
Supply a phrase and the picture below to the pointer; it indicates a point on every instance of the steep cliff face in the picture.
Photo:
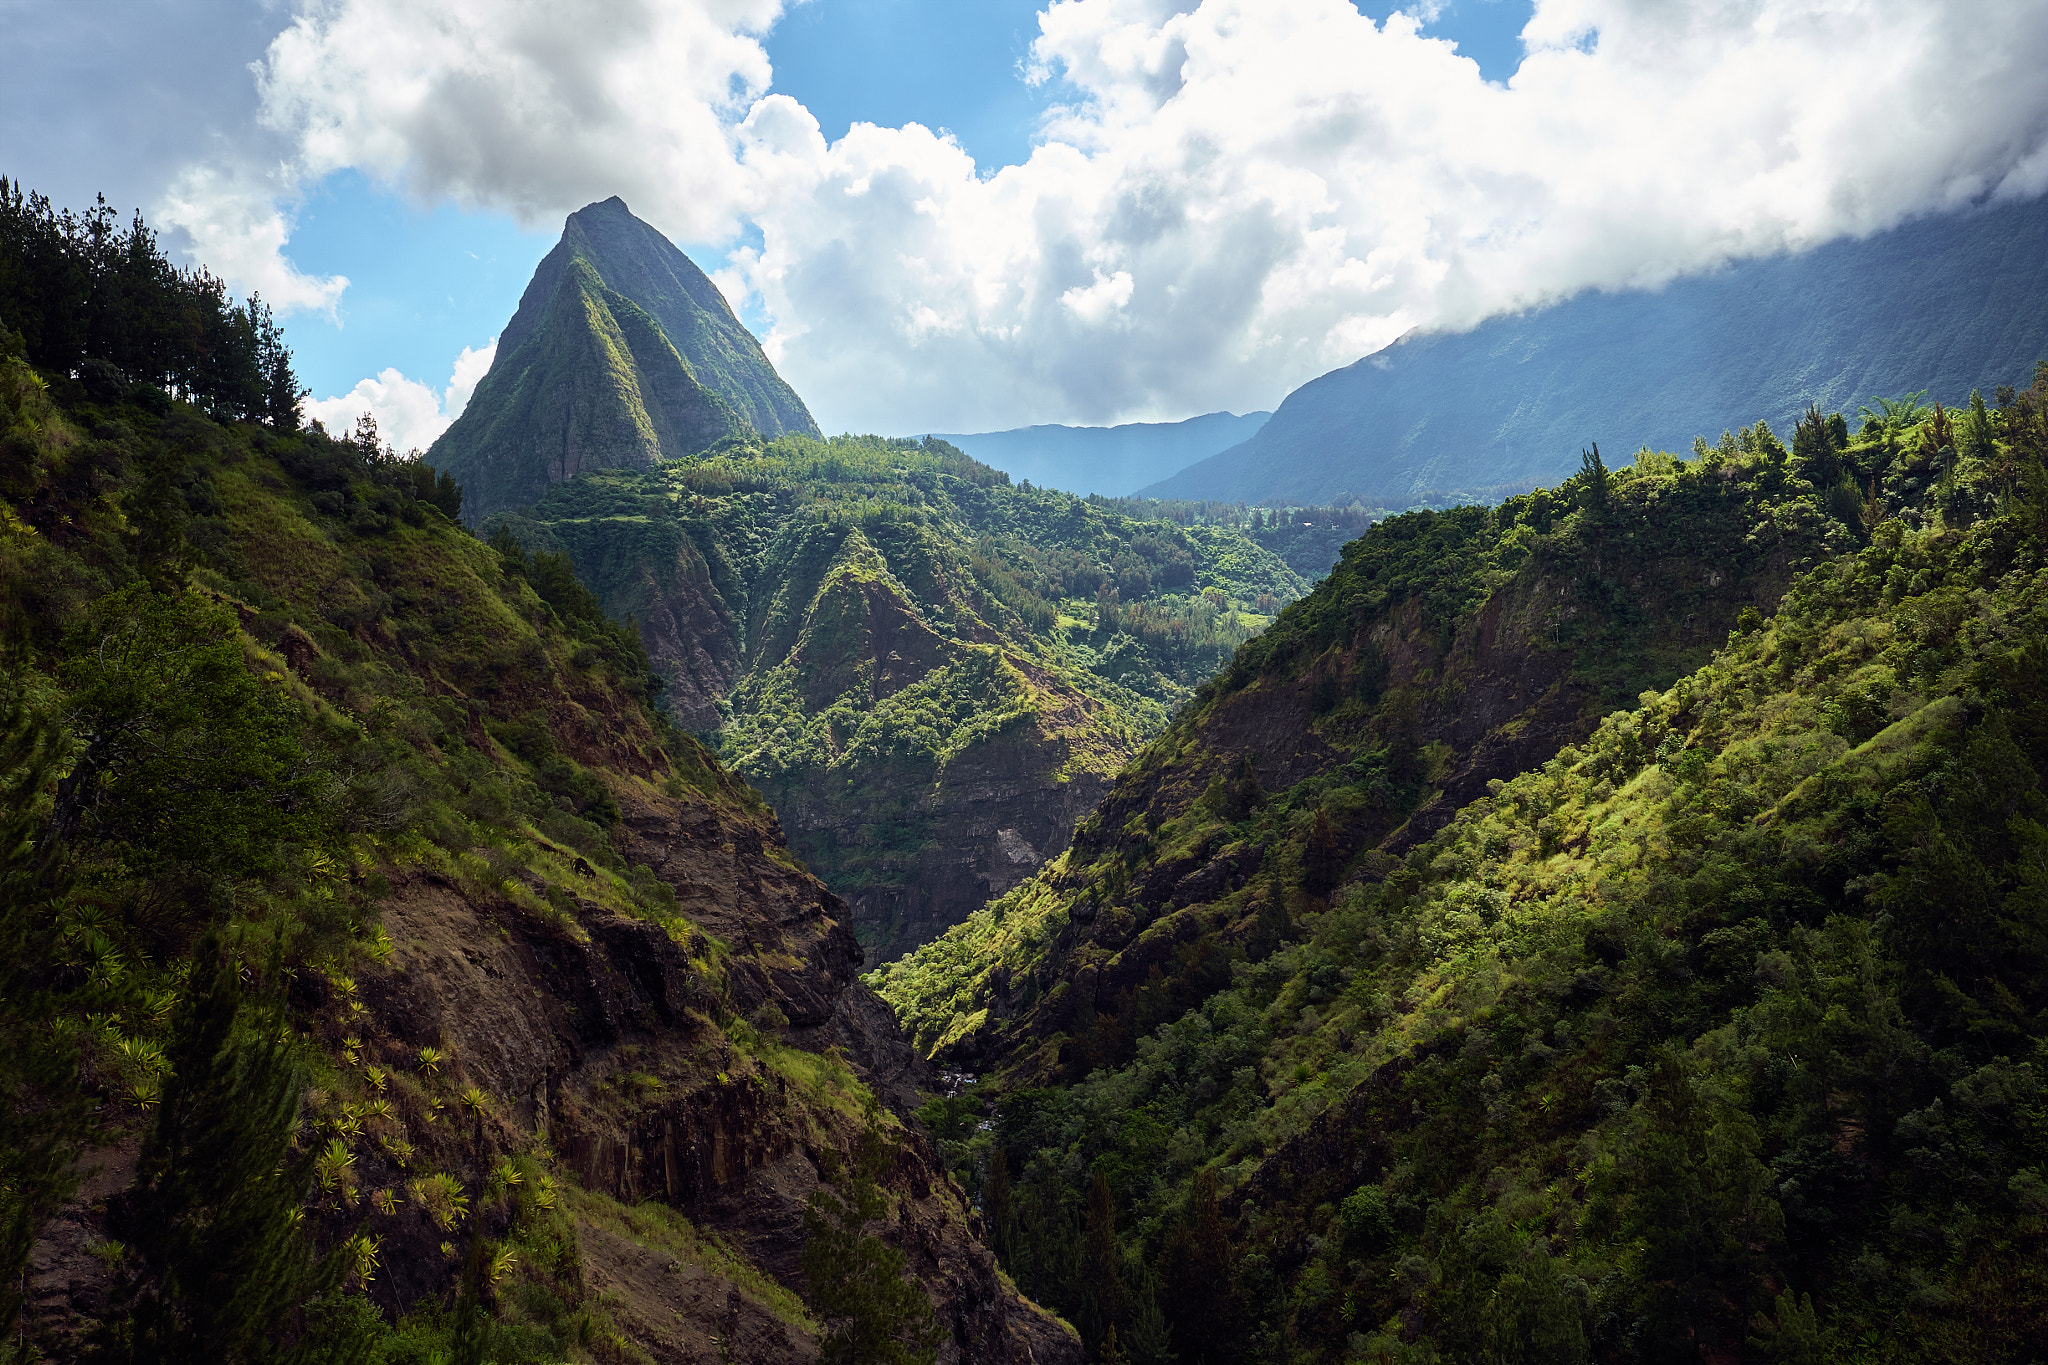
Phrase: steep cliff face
(929, 673)
(594, 1033)
(571, 1035)
(635, 260)
(621, 353)
(592, 384)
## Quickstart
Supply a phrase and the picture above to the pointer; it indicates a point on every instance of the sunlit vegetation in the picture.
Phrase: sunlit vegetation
(1009, 611)
(1717, 1034)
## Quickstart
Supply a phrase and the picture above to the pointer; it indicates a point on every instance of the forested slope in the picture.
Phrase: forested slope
(1401, 1005)
(384, 977)
(930, 672)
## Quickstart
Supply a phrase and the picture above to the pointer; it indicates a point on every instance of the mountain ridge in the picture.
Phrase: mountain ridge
(1604, 926)
(1946, 304)
(1112, 461)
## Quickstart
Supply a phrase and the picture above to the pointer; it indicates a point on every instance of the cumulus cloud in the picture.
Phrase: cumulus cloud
(1277, 187)
(1239, 195)
(410, 415)
(533, 106)
(233, 223)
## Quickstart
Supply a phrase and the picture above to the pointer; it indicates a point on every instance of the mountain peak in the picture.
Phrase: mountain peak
(622, 352)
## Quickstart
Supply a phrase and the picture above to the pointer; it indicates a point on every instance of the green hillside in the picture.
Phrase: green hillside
(382, 977)
(1426, 993)
(636, 261)
(930, 673)
(621, 353)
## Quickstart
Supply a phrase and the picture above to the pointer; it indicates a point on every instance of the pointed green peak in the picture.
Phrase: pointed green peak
(621, 353)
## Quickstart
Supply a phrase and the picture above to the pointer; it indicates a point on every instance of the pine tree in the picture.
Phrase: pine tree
(999, 1206)
(857, 1281)
(223, 1263)
(1103, 1300)
(1593, 474)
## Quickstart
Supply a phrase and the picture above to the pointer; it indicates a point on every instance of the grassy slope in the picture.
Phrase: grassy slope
(1735, 1002)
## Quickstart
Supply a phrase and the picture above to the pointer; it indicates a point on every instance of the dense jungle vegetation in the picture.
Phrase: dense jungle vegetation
(1310, 539)
(1009, 610)
(1719, 1034)
(252, 677)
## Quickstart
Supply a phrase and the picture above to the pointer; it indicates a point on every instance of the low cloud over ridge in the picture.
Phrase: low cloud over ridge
(1236, 198)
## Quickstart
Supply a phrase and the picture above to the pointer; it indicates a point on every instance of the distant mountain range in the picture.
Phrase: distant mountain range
(622, 352)
(1946, 304)
(1110, 460)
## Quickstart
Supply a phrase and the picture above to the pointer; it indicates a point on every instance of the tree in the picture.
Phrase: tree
(999, 1206)
(1103, 1300)
(1977, 428)
(1200, 1274)
(857, 1281)
(1323, 858)
(1593, 474)
(223, 1264)
(43, 1116)
(186, 762)
(1816, 455)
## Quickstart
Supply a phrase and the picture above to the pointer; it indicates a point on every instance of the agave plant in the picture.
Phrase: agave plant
(430, 1060)
(503, 1262)
(474, 1100)
(441, 1196)
(360, 1251)
(331, 1167)
(377, 1076)
(385, 1202)
(543, 1194)
(349, 1122)
(506, 1173)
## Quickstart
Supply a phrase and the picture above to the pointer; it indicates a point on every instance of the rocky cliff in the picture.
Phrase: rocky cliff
(569, 1036)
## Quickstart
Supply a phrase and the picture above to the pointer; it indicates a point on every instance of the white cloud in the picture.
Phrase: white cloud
(533, 106)
(1242, 194)
(470, 367)
(410, 415)
(231, 222)
(1287, 186)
